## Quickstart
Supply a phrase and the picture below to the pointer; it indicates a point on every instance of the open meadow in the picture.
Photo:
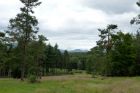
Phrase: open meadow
(79, 83)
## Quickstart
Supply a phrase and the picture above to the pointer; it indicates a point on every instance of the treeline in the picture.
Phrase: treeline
(57, 61)
(78, 59)
(41, 59)
(116, 54)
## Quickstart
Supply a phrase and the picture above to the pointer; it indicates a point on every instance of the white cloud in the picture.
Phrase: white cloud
(57, 14)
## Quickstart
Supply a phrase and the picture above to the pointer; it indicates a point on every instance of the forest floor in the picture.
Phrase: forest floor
(78, 83)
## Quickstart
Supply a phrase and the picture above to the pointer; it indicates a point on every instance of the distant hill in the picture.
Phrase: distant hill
(75, 50)
(62, 51)
(78, 50)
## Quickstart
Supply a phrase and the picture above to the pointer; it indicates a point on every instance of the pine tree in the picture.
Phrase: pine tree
(23, 29)
(106, 34)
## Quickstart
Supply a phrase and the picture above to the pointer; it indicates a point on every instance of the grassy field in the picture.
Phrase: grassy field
(73, 84)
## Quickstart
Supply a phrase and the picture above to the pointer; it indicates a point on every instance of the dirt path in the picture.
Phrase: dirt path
(68, 77)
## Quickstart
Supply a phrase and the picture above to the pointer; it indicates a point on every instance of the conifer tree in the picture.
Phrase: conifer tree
(23, 29)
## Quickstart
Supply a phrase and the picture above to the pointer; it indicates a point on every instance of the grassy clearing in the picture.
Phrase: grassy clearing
(73, 84)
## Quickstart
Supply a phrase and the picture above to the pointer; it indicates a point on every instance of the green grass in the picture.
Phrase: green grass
(73, 84)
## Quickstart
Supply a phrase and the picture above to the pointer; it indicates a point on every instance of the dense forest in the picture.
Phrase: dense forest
(24, 53)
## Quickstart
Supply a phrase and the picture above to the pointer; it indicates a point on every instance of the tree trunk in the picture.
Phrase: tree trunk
(23, 62)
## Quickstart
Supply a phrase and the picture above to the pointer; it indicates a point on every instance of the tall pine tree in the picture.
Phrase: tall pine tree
(23, 29)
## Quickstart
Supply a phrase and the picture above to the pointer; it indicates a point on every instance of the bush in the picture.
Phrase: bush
(32, 78)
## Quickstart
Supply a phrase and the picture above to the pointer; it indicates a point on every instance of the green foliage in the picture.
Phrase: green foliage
(117, 60)
(96, 61)
(32, 78)
(105, 42)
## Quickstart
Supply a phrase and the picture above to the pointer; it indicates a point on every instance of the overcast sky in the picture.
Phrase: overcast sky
(73, 24)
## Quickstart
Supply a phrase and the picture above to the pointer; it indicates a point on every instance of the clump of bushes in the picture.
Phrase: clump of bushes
(32, 78)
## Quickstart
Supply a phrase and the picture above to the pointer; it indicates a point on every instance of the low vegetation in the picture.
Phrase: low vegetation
(79, 83)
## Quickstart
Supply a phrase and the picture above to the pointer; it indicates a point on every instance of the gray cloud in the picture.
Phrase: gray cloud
(112, 6)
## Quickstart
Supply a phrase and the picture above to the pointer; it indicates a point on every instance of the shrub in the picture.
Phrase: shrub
(32, 78)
